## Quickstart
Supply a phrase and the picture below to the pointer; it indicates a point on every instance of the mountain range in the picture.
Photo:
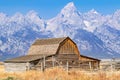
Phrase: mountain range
(96, 35)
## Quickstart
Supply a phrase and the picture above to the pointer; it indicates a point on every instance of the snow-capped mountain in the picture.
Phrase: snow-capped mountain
(92, 20)
(114, 20)
(96, 35)
(83, 28)
(66, 22)
(110, 36)
(18, 32)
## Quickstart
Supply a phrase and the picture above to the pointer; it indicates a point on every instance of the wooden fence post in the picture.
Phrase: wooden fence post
(53, 61)
(44, 63)
(90, 66)
(27, 66)
(67, 66)
(111, 64)
(41, 66)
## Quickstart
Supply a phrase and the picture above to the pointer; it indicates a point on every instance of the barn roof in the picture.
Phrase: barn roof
(49, 41)
(49, 46)
(90, 57)
(27, 58)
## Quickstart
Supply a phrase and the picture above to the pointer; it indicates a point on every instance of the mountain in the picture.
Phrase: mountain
(66, 22)
(83, 29)
(114, 20)
(19, 32)
(90, 45)
(110, 36)
(96, 35)
(92, 20)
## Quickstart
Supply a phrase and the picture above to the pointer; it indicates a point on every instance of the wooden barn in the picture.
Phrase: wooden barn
(46, 53)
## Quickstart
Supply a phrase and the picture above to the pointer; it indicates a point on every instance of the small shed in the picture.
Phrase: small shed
(45, 53)
(89, 62)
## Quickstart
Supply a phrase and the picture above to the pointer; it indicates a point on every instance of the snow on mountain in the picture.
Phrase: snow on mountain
(114, 20)
(18, 18)
(110, 37)
(66, 22)
(92, 20)
(96, 35)
(81, 28)
(90, 45)
(3, 18)
(33, 18)
(18, 33)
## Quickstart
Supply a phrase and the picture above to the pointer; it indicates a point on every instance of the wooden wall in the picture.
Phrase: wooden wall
(67, 57)
(11, 67)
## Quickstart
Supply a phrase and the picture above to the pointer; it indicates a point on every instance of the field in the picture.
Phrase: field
(59, 74)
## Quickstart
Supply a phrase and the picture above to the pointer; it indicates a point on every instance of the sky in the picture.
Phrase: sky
(50, 8)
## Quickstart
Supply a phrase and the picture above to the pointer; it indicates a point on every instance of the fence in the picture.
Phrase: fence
(110, 64)
(67, 65)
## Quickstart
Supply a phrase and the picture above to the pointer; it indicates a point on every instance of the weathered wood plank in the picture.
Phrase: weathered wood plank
(15, 67)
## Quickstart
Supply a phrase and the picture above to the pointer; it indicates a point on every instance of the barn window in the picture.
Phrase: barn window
(73, 62)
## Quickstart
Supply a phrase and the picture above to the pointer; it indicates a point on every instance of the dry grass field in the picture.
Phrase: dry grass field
(58, 74)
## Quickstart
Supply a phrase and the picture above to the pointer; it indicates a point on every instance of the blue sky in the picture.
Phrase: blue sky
(50, 8)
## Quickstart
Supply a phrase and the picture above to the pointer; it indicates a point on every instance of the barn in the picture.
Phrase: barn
(51, 52)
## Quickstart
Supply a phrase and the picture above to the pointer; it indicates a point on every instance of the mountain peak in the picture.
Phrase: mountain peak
(32, 13)
(70, 4)
(93, 11)
(69, 10)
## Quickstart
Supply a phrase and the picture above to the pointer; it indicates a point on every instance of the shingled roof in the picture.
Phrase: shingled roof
(46, 46)
(88, 57)
(49, 41)
(27, 58)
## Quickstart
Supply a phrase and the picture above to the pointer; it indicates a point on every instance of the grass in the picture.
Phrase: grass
(58, 74)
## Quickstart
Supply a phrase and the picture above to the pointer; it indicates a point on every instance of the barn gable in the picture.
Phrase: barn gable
(68, 47)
